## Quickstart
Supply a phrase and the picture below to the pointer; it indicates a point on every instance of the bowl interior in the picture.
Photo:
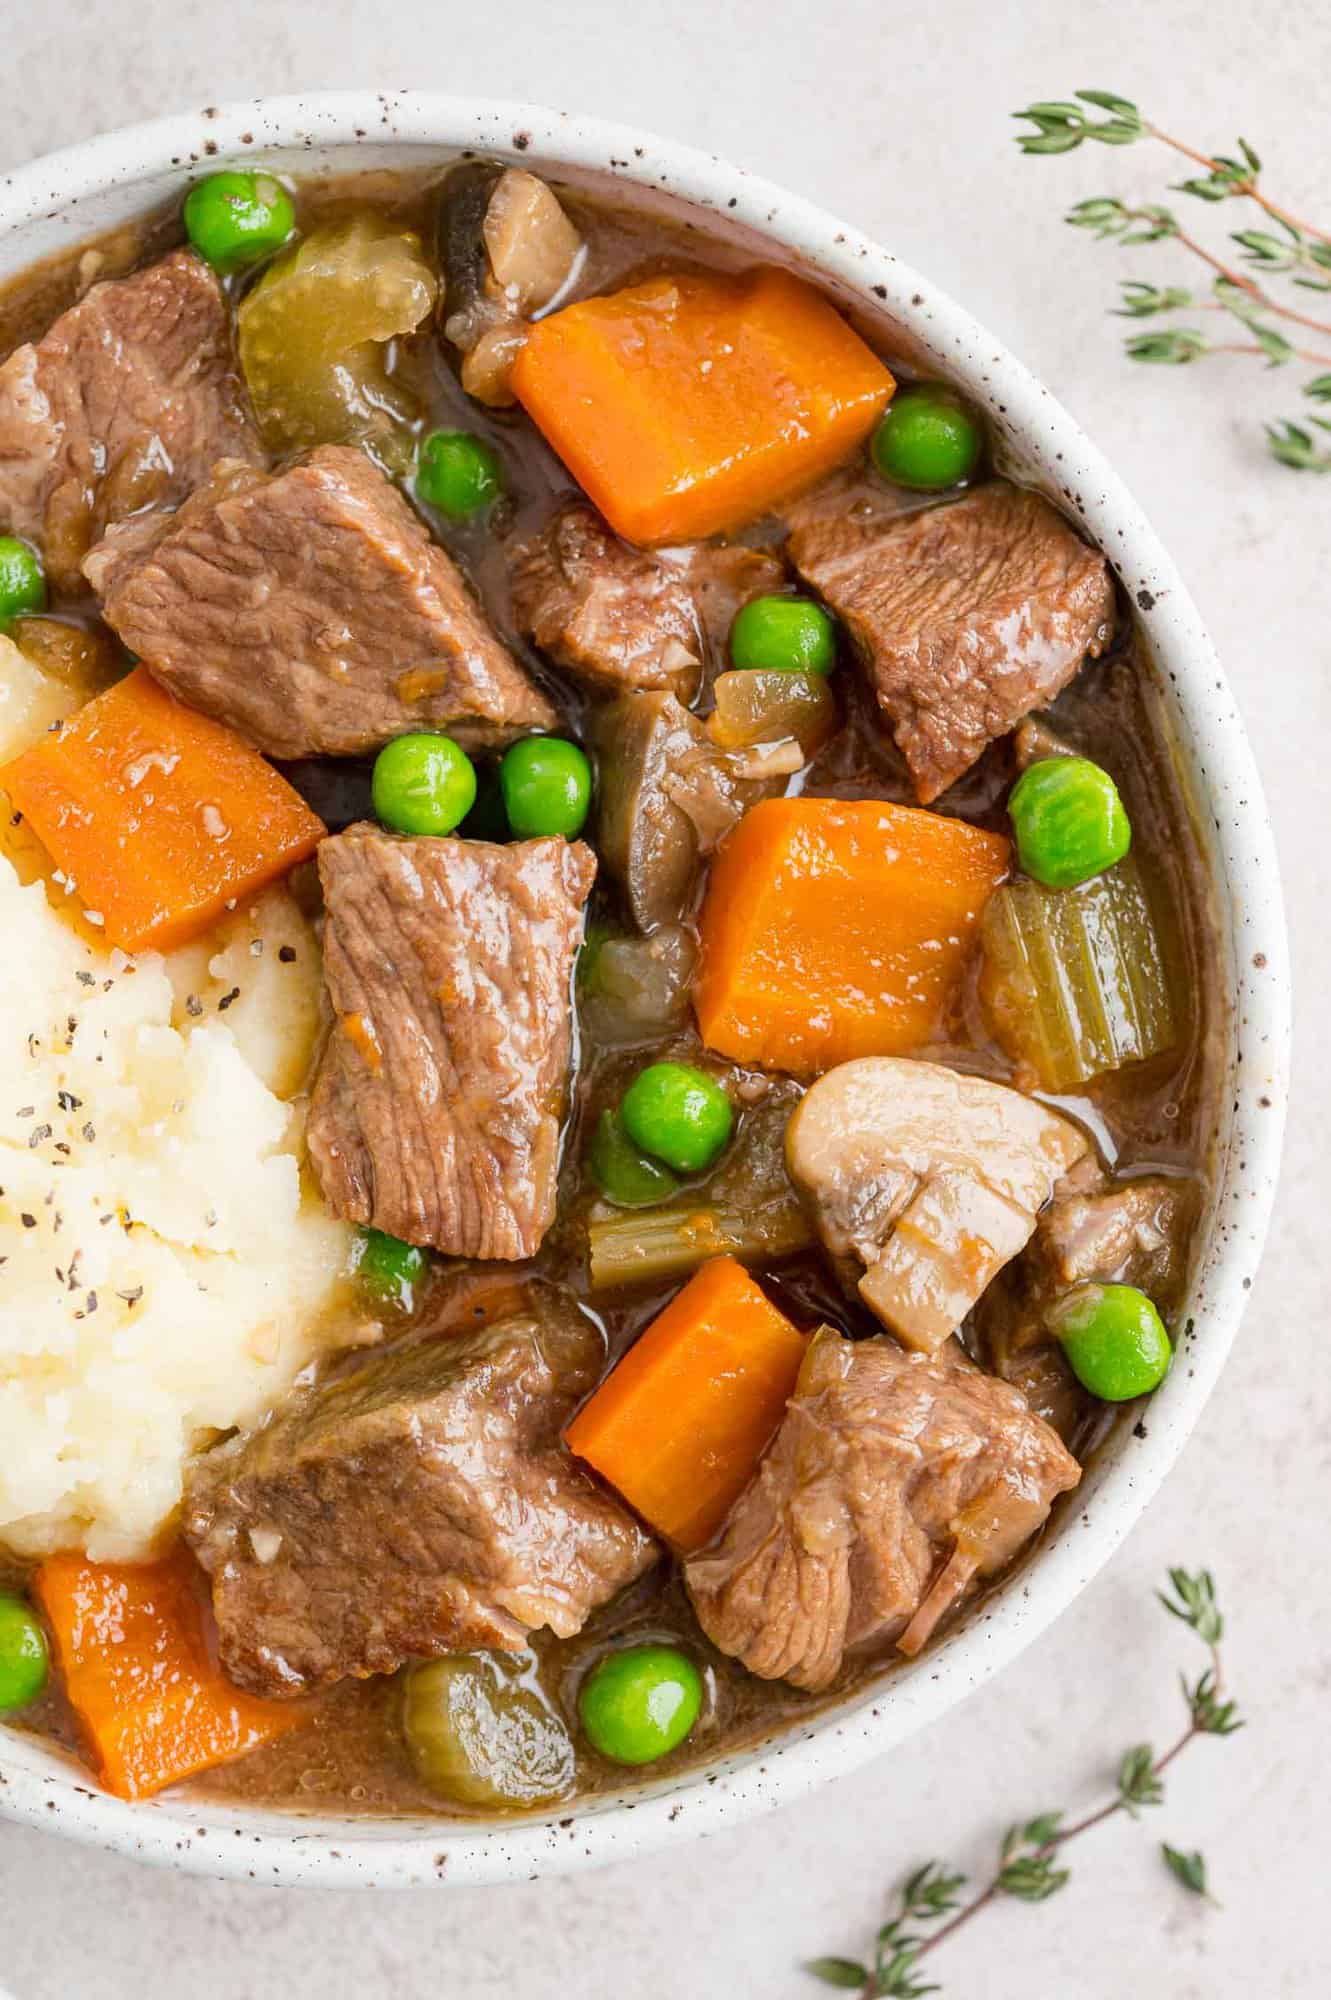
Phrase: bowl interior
(79, 195)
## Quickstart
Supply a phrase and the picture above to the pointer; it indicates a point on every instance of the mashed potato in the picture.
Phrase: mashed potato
(165, 1270)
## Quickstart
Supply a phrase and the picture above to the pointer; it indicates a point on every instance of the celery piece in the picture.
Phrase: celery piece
(1073, 979)
(313, 337)
(653, 1246)
(748, 1209)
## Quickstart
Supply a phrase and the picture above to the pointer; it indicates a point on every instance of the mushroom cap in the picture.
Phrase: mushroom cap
(932, 1179)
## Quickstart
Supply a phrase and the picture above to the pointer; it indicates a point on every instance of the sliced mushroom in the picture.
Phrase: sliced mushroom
(930, 1179)
(507, 250)
(531, 244)
(464, 200)
(645, 841)
(668, 794)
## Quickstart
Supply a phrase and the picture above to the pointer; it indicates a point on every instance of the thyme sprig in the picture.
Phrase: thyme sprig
(1293, 252)
(930, 1904)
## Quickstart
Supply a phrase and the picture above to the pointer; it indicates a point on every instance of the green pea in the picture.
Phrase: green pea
(679, 1114)
(1069, 821)
(235, 219)
(783, 635)
(928, 439)
(25, 1664)
(625, 1175)
(1114, 1339)
(390, 1269)
(547, 787)
(639, 1703)
(423, 784)
(22, 585)
(458, 473)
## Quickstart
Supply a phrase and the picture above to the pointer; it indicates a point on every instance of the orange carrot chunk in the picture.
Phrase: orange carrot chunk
(131, 1641)
(678, 1427)
(835, 928)
(693, 403)
(158, 816)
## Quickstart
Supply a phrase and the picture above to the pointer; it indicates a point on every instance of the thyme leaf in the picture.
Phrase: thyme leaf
(1140, 301)
(1138, 1780)
(846, 1973)
(1061, 127)
(1292, 445)
(1193, 1600)
(1107, 218)
(1173, 347)
(1190, 1869)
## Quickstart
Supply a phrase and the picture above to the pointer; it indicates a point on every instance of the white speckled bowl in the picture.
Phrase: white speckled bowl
(80, 192)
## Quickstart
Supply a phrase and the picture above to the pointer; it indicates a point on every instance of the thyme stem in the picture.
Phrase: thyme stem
(1248, 188)
(1052, 1846)
(963, 1916)
(1251, 347)
(1255, 292)
(1025, 1869)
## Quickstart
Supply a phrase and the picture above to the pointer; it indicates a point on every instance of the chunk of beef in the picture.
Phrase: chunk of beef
(420, 1502)
(967, 616)
(617, 617)
(1036, 742)
(1107, 1232)
(126, 401)
(437, 1105)
(1124, 1232)
(611, 615)
(855, 490)
(127, 544)
(723, 576)
(1131, 1233)
(894, 1480)
(311, 610)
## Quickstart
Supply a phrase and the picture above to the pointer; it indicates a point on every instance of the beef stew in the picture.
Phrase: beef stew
(726, 1103)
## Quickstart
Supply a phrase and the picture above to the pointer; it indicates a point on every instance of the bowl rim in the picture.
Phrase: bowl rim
(216, 1836)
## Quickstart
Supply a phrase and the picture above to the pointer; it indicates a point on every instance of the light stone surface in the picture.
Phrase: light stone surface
(898, 119)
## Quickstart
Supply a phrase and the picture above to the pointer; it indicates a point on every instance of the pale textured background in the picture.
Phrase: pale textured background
(898, 119)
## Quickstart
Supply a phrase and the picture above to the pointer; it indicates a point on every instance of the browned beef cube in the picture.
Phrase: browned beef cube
(1130, 1233)
(310, 609)
(967, 616)
(126, 400)
(1135, 1232)
(1121, 1232)
(128, 543)
(618, 617)
(894, 1480)
(437, 1106)
(418, 1503)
